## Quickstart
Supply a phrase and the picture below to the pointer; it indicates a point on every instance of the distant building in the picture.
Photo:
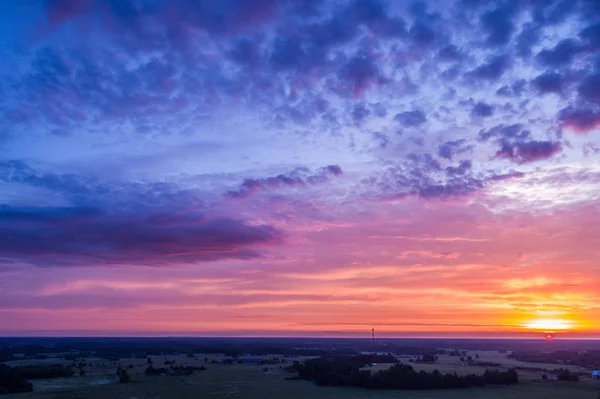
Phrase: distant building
(596, 375)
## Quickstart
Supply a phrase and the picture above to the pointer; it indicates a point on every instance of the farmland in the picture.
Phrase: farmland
(269, 376)
(253, 381)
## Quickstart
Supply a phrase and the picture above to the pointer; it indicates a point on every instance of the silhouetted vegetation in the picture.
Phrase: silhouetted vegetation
(6, 357)
(173, 370)
(142, 348)
(151, 370)
(123, 376)
(587, 359)
(185, 370)
(76, 355)
(44, 371)
(566, 375)
(427, 359)
(349, 371)
(488, 364)
(11, 381)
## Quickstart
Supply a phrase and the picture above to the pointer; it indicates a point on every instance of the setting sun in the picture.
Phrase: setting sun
(549, 324)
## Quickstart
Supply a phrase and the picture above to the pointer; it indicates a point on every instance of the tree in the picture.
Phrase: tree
(544, 377)
(428, 358)
(123, 376)
(469, 358)
(477, 355)
(149, 361)
(567, 375)
(462, 359)
(81, 371)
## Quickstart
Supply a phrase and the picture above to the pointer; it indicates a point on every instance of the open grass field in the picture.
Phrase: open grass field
(248, 381)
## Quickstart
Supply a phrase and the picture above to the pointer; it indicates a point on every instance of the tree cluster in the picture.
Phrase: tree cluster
(123, 376)
(427, 359)
(587, 359)
(173, 370)
(348, 371)
(566, 375)
(151, 370)
(11, 381)
(43, 371)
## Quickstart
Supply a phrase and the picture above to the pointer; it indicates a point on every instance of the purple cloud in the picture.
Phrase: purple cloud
(298, 178)
(581, 120)
(360, 73)
(79, 236)
(530, 151)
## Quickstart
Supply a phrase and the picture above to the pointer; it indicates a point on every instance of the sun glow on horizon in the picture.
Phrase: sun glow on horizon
(549, 325)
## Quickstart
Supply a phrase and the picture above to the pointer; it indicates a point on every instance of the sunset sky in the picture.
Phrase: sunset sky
(299, 167)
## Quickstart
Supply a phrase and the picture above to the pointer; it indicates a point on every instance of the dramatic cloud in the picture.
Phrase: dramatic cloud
(75, 236)
(460, 140)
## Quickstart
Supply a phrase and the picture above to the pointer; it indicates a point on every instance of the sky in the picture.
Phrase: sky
(299, 167)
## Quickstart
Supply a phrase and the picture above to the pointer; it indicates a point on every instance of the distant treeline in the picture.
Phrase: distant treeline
(119, 348)
(142, 347)
(587, 359)
(349, 371)
(173, 370)
(39, 372)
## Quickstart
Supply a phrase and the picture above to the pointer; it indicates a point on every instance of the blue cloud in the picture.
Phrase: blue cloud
(95, 87)
(411, 118)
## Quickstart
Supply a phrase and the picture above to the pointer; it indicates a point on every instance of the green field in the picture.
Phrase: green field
(252, 382)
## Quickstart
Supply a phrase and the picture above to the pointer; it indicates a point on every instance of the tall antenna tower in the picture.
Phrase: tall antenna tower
(373, 335)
